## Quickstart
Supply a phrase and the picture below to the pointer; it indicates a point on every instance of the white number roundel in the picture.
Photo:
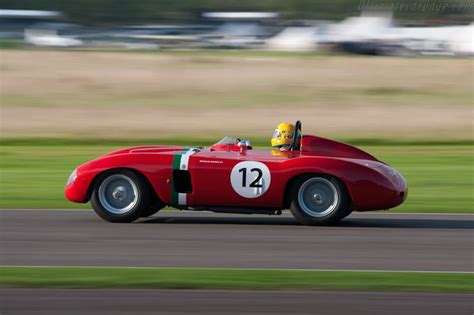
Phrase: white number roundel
(250, 179)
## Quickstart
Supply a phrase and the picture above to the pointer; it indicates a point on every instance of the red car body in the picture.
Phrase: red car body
(371, 184)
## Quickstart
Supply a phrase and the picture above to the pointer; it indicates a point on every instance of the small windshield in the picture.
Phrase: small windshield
(229, 140)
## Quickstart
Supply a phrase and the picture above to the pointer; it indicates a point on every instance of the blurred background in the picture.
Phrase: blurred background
(79, 78)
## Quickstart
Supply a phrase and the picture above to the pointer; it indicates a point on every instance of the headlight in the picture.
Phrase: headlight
(71, 178)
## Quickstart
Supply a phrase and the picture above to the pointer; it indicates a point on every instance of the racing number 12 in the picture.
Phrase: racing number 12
(255, 183)
(254, 173)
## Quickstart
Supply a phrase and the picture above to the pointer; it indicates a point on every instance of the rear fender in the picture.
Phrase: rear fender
(326, 147)
(367, 188)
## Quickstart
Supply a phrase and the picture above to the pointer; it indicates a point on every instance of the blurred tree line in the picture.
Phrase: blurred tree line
(189, 11)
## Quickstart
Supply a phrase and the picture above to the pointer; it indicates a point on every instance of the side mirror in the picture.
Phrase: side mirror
(244, 145)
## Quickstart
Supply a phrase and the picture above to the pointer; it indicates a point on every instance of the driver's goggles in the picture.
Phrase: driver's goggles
(286, 134)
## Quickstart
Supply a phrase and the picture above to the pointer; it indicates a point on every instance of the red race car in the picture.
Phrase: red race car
(320, 180)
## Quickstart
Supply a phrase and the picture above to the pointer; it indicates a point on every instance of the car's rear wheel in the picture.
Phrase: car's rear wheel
(120, 196)
(318, 200)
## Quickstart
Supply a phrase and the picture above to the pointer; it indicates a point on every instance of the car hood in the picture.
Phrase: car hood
(146, 149)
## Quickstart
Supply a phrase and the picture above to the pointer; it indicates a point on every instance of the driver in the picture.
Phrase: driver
(283, 136)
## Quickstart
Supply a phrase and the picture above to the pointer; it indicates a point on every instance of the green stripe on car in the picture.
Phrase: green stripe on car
(176, 166)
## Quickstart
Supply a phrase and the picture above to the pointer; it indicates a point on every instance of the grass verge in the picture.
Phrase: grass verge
(235, 279)
(33, 173)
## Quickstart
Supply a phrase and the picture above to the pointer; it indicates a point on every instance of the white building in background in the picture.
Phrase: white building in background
(379, 33)
(237, 29)
(294, 39)
(49, 38)
(458, 40)
(29, 14)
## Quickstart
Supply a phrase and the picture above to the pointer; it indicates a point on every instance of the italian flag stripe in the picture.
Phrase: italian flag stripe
(180, 162)
(176, 163)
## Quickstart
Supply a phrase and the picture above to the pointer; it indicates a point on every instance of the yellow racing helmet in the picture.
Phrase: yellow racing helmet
(283, 135)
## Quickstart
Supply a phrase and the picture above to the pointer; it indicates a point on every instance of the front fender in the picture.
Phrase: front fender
(156, 169)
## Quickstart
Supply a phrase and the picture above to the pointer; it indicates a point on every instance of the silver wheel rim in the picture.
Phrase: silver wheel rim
(118, 194)
(318, 197)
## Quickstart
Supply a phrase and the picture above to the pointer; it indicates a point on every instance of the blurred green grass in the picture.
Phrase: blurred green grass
(33, 172)
(235, 279)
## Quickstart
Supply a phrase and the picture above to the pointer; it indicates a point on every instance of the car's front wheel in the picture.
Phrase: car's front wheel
(318, 200)
(120, 196)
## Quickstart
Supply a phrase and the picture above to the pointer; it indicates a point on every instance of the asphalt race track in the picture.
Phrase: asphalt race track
(371, 241)
(123, 301)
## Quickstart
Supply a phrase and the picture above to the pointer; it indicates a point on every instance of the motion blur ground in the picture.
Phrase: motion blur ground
(136, 301)
(120, 95)
(378, 241)
(78, 83)
(382, 242)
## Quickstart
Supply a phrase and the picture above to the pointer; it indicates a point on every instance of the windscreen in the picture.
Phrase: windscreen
(229, 140)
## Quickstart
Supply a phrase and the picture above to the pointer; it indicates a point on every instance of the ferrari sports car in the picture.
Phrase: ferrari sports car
(321, 181)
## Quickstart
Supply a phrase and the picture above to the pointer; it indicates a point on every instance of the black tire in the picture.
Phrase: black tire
(319, 200)
(154, 207)
(135, 188)
(347, 213)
